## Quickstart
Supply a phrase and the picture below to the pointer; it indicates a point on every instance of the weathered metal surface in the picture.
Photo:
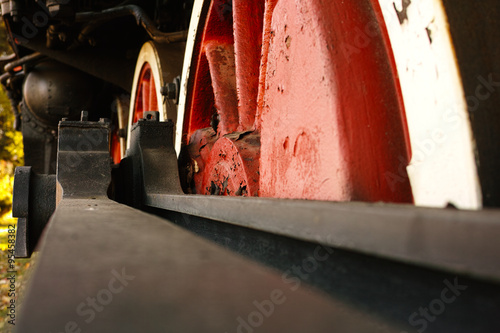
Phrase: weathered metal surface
(100, 270)
(224, 159)
(191, 278)
(200, 7)
(333, 123)
(20, 209)
(248, 18)
(150, 165)
(417, 298)
(220, 57)
(53, 91)
(443, 167)
(225, 166)
(34, 201)
(323, 135)
(458, 241)
(83, 160)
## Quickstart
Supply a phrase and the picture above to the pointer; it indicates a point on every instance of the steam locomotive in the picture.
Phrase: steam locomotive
(367, 127)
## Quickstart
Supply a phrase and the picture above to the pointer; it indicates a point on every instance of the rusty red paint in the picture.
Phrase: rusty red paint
(332, 123)
(317, 89)
(248, 24)
(218, 29)
(227, 165)
(226, 161)
(220, 58)
(266, 42)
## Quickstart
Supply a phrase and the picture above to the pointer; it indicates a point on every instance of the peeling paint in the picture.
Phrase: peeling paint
(403, 13)
(429, 34)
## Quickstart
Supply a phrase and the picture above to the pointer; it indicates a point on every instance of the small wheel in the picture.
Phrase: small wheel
(156, 66)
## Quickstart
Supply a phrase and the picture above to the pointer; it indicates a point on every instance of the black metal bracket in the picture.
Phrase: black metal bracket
(33, 203)
(83, 159)
(83, 171)
(150, 166)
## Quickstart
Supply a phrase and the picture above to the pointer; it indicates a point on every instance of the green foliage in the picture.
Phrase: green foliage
(11, 153)
(10, 140)
(4, 45)
(11, 148)
(11, 156)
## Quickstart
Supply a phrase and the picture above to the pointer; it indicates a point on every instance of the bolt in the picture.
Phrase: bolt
(152, 116)
(122, 133)
(84, 116)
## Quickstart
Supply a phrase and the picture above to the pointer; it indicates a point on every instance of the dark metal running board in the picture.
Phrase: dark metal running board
(463, 242)
(105, 267)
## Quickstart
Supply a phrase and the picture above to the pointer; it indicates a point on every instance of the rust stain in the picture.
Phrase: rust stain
(403, 14)
(429, 34)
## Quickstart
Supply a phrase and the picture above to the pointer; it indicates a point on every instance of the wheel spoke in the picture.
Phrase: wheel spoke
(153, 101)
(248, 24)
(221, 62)
(145, 95)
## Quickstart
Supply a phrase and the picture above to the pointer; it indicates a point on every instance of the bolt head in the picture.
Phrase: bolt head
(169, 90)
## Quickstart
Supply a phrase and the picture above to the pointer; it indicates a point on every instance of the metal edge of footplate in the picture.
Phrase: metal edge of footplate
(463, 242)
(106, 267)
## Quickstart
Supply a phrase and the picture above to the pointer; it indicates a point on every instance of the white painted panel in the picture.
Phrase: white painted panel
(193, 30)
(442, 169)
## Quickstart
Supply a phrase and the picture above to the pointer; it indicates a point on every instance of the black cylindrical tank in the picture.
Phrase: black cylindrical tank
(53, 91)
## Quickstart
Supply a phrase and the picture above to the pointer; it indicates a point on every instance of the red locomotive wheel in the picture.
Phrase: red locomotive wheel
(296, 99)
(302, 99)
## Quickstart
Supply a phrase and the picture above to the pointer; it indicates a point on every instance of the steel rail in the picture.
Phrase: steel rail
(464, 242)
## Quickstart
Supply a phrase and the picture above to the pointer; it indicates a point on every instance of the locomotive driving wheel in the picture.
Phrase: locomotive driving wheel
(284, 101)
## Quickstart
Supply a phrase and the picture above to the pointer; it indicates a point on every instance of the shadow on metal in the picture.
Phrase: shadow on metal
(398, 294)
